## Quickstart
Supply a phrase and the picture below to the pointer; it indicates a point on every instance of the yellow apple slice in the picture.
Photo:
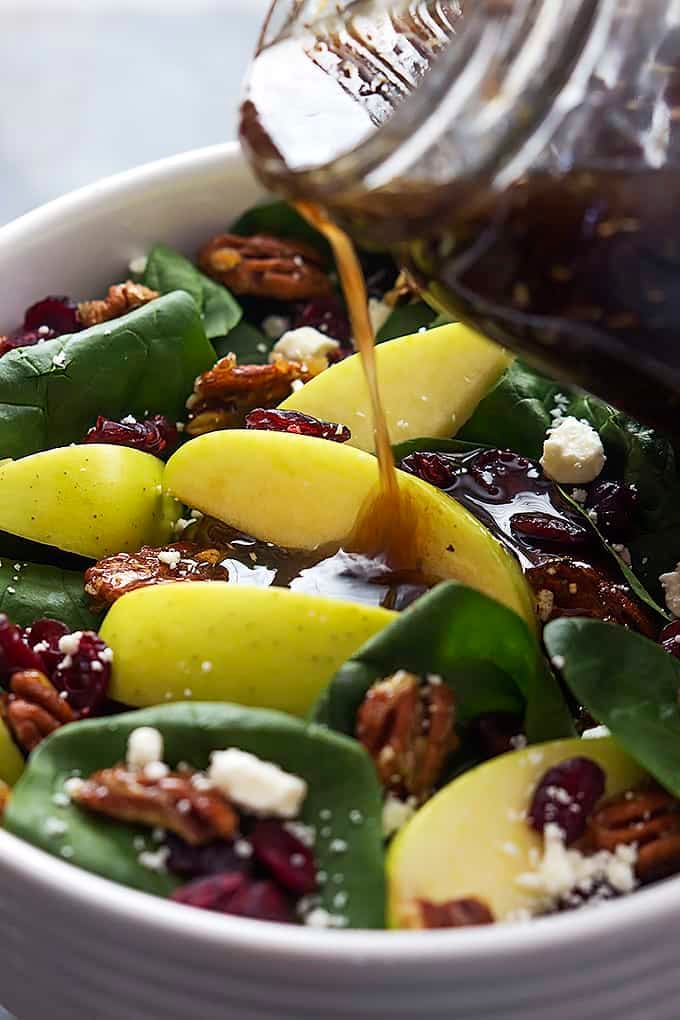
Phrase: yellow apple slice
(304, 493)
(11, 761)
(94, 500)
(430, 384)
(212, 641)
(472, 840)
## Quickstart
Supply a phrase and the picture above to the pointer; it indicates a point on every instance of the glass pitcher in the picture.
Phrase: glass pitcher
(521, 158)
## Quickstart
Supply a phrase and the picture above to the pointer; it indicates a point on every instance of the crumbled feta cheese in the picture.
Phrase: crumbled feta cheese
(561, 870)
(558, 661)
(181, 524)
(671, 586)
(55, 827)
(171, 557)
(274, 326)
(258, 786)
(129, 419)
(155, 770)
(306, 834)
(594, 732)
(395, 813)
(573, 452)
(70, 643)
(154, 860)
(320, 918)
(59, 360)
(73, 786)
(579, 495)
(378, 313)
(304, 344)
(145, 747)
(137, 265)
(242, 848)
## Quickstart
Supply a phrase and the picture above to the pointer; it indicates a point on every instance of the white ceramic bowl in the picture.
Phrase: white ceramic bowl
(74, 946)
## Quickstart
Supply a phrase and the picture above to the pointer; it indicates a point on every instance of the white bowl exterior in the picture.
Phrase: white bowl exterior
(73, 945)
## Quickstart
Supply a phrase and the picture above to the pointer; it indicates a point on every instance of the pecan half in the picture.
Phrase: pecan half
(463, 913)
(266, 267)
(4, 797)
(650, 819)
(172, 802)
(116, 575)
(408, 728)
(228, 391)
(121, 298)
(33, 709)
(566, 587)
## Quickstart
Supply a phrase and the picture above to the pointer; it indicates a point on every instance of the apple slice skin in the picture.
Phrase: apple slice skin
(11, 761)
(430, 384)
(93, 500)
(213, 641)
(471, 838)
(303, 493)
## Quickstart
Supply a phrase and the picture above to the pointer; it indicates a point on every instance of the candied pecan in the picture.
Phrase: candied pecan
(408, 728)
(266, 267)
(462, 913)
(116, 575)
(4, 797)
(33, 709)
(649, 818)
(228, 391)
(172, 802)
(121, 298)
(580, 589)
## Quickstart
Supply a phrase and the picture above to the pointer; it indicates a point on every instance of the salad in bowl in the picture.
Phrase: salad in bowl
(214, 689)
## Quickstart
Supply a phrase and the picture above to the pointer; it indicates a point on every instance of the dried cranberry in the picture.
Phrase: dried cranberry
(213, 893)
(545, 528)
(25, 338)
(234, 893)
(566, 795)
(297, 423)
(463, 913)
(616, 507)
(199, 861)
(496, 733)
(669, 638)
(327, 315)
(85, 673)
(262, 901)
(15, 653)
(155, 435)
(290, 862)
(57, 313)
(436, 468)
(46, 634)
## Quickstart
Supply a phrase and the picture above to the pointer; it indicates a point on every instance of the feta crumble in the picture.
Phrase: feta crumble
(671, 587)
(274, 326)
(171, 557)
(258, 786)
(145, 747)
(378, 313)
(573, 452)
(304, 344)
(395, 813)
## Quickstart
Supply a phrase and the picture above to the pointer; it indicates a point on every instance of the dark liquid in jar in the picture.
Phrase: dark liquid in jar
(580, 272)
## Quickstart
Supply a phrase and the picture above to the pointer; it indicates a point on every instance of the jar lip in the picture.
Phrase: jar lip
(386, 152)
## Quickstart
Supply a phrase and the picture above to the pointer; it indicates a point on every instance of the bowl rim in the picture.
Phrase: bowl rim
(648, 908)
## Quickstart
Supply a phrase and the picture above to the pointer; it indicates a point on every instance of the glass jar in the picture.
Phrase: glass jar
(521, 157)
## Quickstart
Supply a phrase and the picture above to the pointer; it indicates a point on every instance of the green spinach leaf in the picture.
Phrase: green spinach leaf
(167, 271)
(29, 591)
(340, 776)
(144, 362)
(406, 319)
(250, 346)
(628, 683)
(483, 650)
(431, 444)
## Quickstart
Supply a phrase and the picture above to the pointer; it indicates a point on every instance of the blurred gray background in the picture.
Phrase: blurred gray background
(90, 87)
